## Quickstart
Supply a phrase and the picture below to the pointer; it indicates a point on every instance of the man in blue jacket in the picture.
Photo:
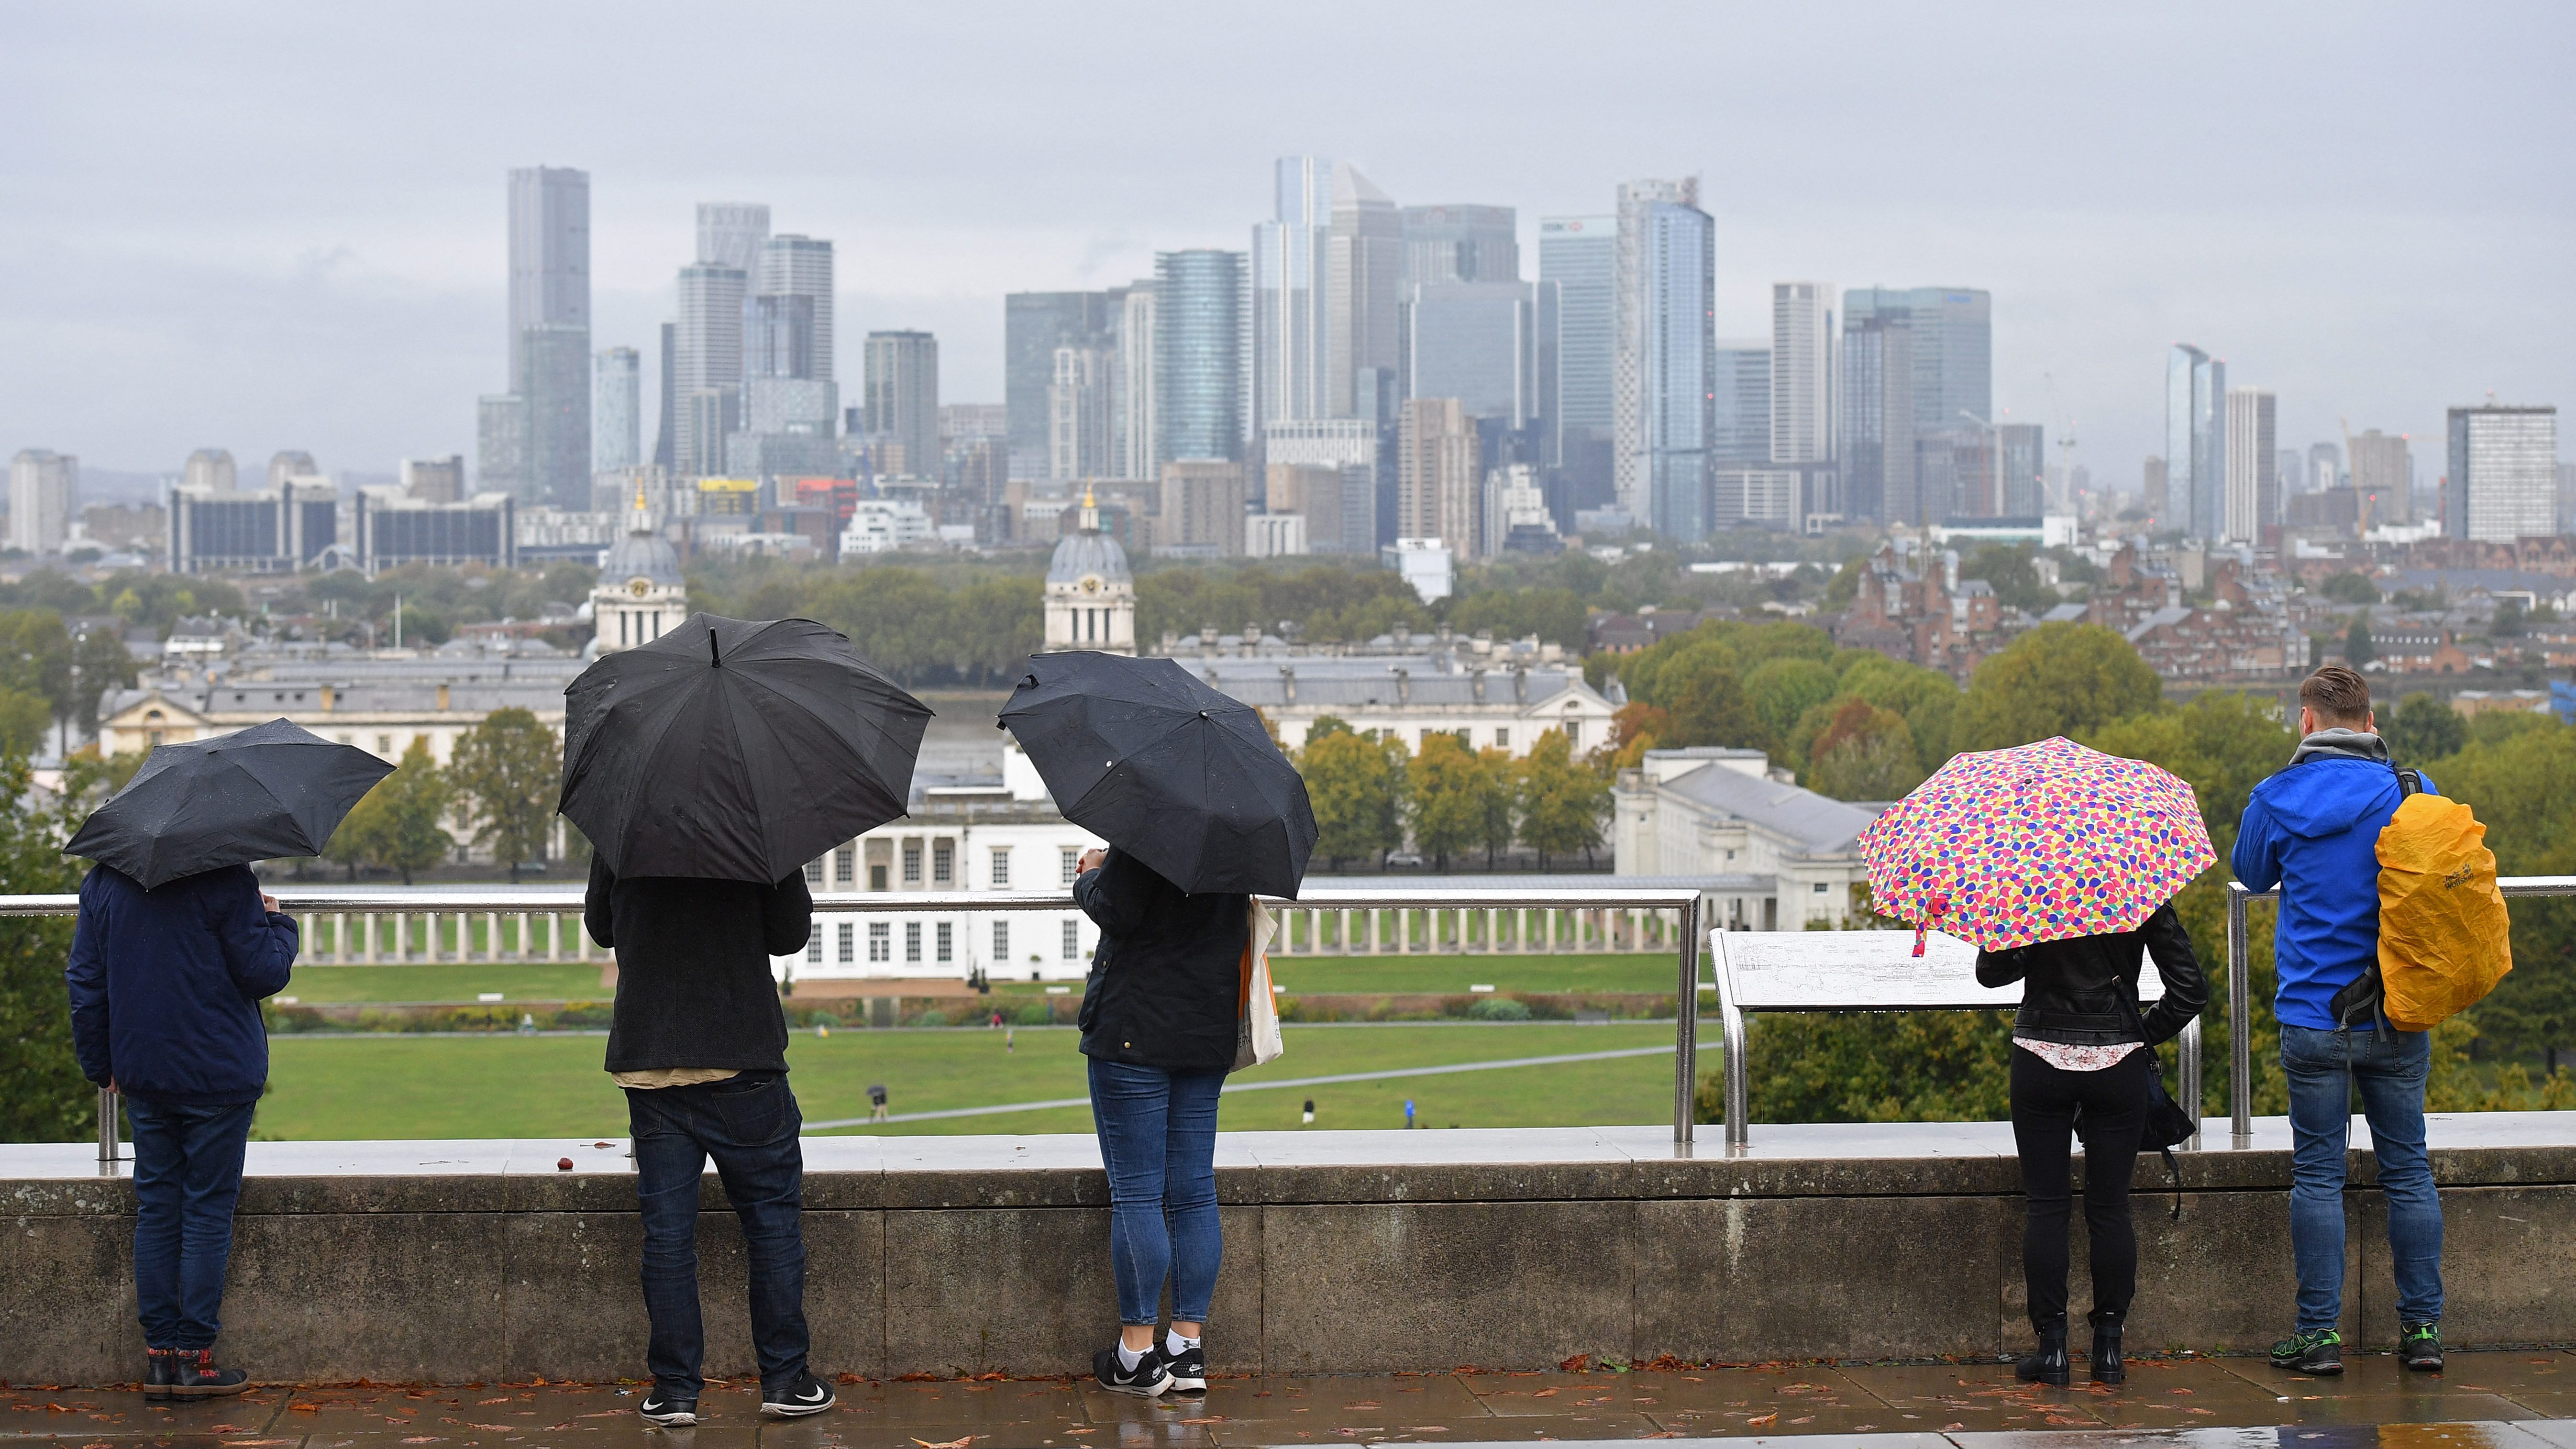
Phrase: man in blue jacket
(2313, 830)
(165, 987)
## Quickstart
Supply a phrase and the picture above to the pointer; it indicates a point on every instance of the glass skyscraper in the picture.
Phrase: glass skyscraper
(1199, 302)
(616, 408)
(2195, 443)
(1676, 250)
(1461, 244)
(1034, 325)
(549, 349)
(1292, 294)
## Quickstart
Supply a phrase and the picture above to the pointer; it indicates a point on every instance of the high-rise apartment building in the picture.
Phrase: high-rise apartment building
(801, 266)
(291, 463)
(434, 480)
(44, 498)
(616, 410)
(2383, 478)
(1081, 413)
(1460, 244)
(1291, 294)
(1915, 361)
(1347, 447)
(707, 392)
(1740, 425)
(1364, 270)
(1199, 302)
(1138, 436)
(1476, 342)
(2195, 443)
(1034, 325)
(899, 374)
(731, 233)
(2323, 469)
(2503, 479)
(2253, 500)
(1663, 371)
(1203, 502)
(210, 469)
(665, 436)
(549, 343)
(2021, 465)
(1802, 372)
(1439, 470)
(1579, 256)
(789, 385)
(500, 444)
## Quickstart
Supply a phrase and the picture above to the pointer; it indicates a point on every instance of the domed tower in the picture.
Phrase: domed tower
(1090, 595)
(641, 594)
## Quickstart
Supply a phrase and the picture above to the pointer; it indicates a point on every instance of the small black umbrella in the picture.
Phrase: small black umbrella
(734, 749)
(1169, 770)
(270, 792)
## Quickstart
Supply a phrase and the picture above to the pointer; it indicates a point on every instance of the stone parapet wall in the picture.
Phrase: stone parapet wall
(1345, 1251)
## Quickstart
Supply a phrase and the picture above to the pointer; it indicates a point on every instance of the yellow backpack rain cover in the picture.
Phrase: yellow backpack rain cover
(2444, 938)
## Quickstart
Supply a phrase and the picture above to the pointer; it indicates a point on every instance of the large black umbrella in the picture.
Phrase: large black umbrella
(1144, 755)
(735, 749)
(270, 792)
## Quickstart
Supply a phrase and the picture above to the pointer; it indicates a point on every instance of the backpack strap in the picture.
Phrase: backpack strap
(2409, 782)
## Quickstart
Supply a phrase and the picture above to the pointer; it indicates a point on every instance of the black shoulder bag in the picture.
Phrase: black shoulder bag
(2164, 1126)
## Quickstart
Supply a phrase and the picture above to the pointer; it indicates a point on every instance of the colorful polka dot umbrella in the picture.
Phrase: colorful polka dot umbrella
(2037, 843)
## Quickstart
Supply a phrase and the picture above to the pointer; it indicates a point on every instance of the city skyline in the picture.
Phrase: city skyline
(334, 288)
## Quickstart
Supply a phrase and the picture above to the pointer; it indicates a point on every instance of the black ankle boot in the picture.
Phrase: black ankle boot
(2048, 1365)
(2107, 1365)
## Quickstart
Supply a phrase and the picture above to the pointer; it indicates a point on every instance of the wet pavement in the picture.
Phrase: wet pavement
(2490, 1400)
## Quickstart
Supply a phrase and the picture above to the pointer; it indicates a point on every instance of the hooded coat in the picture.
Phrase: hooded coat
(2313, 830)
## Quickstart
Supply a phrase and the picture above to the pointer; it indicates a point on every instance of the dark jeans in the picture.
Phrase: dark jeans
(187, 1176)
(2389, 1068)
(1158, 1139)
(2045, 1124)
(748, 1124)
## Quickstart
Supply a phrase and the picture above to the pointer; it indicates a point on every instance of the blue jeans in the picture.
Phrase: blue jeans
(748, 1124)
(187, 1176)
(1158, 1138)
(2324, 1067)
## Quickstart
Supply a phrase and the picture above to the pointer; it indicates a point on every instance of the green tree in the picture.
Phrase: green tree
(507, 771)
(2357, 648)
(2422, 729)
(1497, 800)
(2519, 786)
(2509, 621)
(2349, 588)
(398, 823)
(1443, 789)
(1561, 801)
(2058, 679)
(1927, 698)
(1781, 691)
(1864, 753)
(42, 1095)
(2009, 569)
(100, 662)
(1355, 784)
(1875, 1066)
(36, 668)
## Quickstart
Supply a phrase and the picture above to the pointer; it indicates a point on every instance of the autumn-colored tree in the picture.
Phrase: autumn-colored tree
(507, 771)
(1355, 783)
(1562, 802)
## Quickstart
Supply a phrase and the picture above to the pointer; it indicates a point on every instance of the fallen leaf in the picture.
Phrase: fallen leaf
(1577, 1364)
(1428, 1429)
(1216, 1419)
(1544, 1394)
(946, 1444)
(1764, 1421)
(1804, 1419)
(1361, 1404)
(502, 1400)
(1946, 1428)
(422, 1439)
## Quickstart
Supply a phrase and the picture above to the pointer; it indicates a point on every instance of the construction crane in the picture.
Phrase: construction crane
(2065, 440)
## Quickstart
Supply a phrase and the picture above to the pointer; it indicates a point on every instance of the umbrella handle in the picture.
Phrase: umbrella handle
(1934, 905)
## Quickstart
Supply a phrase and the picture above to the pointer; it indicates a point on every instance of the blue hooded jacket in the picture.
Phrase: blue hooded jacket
(2313, 830)
(166, 985)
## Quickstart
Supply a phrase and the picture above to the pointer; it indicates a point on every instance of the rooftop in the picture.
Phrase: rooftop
(1820, 823)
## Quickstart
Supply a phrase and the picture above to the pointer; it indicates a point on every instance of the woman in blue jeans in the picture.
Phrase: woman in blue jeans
(1158, 1022)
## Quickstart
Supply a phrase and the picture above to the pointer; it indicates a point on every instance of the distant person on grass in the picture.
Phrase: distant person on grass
(699, 1043)
(2313, 830)
(165, 992)
(1159, 1025)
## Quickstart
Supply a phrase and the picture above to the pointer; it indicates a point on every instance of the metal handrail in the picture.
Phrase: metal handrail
(2240, 1049)
(567, 900)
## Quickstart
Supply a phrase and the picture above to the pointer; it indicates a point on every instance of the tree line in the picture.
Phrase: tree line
(498, 791)
(1371, 794)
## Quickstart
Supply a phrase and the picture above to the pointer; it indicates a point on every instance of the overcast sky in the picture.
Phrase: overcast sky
(281, 225)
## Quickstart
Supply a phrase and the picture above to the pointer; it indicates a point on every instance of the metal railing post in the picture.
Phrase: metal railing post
(1686, 1029)
(2240, 1051)
(107, 1148)
(2187, 1073)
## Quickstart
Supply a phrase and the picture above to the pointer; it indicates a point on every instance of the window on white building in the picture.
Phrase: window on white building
(1001, 874)
(1574, 734)
(849, 942)
(912, 941)
(912, 862)
(1072, 941)
(944, 942)
(876, 877)
(1068, 856)
(813, 872)
(814, 943)
(1502, 739)
(1820, 887)
(385, 744)
(880, 941)
(1002, 943)
(845, 865)
(943, 863)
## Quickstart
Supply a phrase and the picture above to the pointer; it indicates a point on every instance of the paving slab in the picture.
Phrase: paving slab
(39, 1413)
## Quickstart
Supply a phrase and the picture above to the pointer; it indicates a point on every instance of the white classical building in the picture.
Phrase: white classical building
(963, 834)
(1090, 592)
(1790, 856)
(641, 593)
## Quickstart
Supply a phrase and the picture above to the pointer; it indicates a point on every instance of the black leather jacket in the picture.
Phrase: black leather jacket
(2075, 986)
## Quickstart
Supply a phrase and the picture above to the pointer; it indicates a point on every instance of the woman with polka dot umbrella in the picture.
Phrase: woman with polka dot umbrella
(2041, 842)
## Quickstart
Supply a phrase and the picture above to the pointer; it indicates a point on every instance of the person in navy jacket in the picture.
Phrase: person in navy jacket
(165, 992)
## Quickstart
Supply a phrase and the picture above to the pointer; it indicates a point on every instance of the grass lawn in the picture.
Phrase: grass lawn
(570, 981)
(510, 1086)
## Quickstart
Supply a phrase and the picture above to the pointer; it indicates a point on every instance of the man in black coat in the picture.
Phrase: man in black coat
(700, 1045)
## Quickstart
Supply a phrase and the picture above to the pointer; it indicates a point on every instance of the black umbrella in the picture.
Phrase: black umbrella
(270, 792)
(1185, 779)
(735, 749)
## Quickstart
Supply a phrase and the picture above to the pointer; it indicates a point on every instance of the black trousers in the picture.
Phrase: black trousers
(2045, 1124)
